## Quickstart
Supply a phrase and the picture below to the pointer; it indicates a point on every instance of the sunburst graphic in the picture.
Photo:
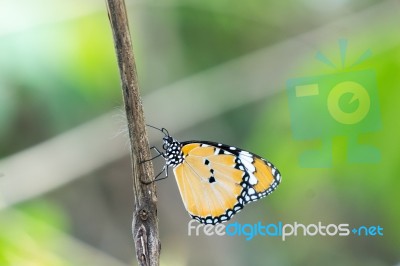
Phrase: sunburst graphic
(343, 52)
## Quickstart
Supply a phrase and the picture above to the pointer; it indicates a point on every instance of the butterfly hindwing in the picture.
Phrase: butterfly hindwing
(217, 180)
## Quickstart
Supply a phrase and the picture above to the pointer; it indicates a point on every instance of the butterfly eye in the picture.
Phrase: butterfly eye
(165, 146)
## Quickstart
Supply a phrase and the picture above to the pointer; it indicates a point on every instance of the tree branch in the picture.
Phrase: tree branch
(145, 222)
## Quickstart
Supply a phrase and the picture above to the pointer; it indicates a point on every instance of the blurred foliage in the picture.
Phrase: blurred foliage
(69, 78)
(25, 238)
(57, 76)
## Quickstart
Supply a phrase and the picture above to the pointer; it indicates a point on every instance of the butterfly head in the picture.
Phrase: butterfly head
(173, 149)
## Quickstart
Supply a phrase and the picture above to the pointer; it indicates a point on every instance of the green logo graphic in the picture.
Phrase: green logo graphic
(341, 104)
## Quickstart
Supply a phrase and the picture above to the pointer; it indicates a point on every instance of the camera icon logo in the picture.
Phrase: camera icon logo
(343, 104)
(359, 93)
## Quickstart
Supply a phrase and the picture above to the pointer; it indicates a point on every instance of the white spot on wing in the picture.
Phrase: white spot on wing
(246, 153)
(247, 162)
(251, 191)
(252, 180)
(245, 156)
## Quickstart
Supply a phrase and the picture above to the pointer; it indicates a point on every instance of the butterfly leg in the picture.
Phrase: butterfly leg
(156, 178)
(165, 168)
(158, 154)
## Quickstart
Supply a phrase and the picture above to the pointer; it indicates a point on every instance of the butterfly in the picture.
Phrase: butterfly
(216, 180)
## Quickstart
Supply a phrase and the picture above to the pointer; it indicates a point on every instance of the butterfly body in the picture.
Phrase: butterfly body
(216, 180)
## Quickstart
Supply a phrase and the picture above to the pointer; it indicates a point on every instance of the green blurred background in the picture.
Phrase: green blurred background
(212, 70)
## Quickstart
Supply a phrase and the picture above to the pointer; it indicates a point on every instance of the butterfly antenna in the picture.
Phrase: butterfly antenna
(163, 130)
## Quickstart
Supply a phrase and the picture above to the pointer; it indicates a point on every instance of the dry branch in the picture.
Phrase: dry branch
(145, 223)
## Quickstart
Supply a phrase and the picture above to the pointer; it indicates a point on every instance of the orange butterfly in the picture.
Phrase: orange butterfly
(216, 180)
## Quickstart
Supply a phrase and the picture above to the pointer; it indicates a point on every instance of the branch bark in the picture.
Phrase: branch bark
(145, 222)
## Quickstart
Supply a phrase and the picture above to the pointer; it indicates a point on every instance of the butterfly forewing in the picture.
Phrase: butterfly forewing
(216, 180)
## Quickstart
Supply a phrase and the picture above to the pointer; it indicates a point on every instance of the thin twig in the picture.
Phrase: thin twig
(145, 223)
